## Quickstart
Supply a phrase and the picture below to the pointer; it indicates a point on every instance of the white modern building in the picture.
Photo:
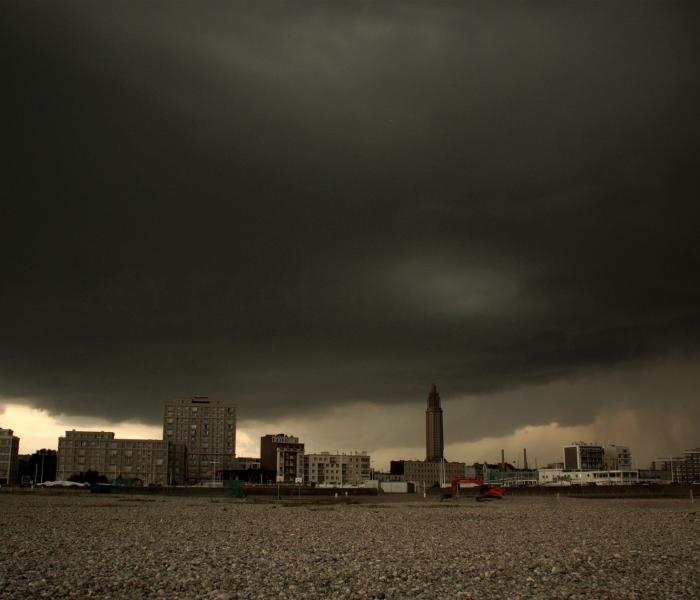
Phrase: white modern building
(561, 477)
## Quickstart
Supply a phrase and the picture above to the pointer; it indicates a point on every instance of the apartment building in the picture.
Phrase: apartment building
(283, 457)
(207, 428)
(325, 468)
(686, 469)
(152, 462)
(9, 457)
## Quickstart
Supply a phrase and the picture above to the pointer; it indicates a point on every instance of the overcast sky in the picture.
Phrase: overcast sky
(317, 210)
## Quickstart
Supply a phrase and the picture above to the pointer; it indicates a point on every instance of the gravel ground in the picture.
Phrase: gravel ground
(135, 547)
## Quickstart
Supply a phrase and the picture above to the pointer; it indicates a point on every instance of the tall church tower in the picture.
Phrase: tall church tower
(434, 444)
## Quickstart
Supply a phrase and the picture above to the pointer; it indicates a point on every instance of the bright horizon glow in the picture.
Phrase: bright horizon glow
(38, 429)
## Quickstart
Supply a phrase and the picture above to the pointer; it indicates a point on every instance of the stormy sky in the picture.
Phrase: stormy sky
(317, 209)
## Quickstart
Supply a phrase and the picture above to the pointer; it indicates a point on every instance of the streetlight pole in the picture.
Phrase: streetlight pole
(213, 471)
(43, 454)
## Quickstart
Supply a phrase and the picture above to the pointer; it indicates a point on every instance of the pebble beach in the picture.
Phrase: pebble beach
(81, 545)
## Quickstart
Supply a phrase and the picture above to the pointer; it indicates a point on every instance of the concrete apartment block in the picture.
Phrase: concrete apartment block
(207, 428)
(325, 468)
(153, 462)
(9, 461)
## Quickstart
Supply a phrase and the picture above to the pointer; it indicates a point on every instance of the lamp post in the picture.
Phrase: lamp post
(213, 473)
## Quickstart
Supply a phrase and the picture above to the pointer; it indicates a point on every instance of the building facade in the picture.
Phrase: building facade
(283, 457)
(207, 429)
(655, 476)
(9, 457)
(384, 476)
(434, 440)
(430, 473)
(513, 478)
(150, 462)
(584, 457)
(246, 463)
(325, 468)
(560, 477)
(686, 469)
(617, 458)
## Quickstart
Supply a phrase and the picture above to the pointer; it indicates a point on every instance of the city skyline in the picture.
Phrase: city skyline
(313, 211)
(433, 439)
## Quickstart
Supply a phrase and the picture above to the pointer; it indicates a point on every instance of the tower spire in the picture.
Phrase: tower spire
(433, 397)
(434, 444)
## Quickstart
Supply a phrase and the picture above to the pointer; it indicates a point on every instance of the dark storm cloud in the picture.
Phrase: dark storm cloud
(297, 206)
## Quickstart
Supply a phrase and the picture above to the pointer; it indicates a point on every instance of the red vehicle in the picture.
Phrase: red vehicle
(487, 491)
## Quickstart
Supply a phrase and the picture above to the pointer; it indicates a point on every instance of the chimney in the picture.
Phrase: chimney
(525, 458)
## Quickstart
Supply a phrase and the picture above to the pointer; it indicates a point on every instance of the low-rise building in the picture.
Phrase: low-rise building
(150, 462)
(9, 457)
(653, 475)
(384, 476)
(514, 477)
(325, 468)
(246, 468)
(426, 473)
(246, 463)
(561, 477)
